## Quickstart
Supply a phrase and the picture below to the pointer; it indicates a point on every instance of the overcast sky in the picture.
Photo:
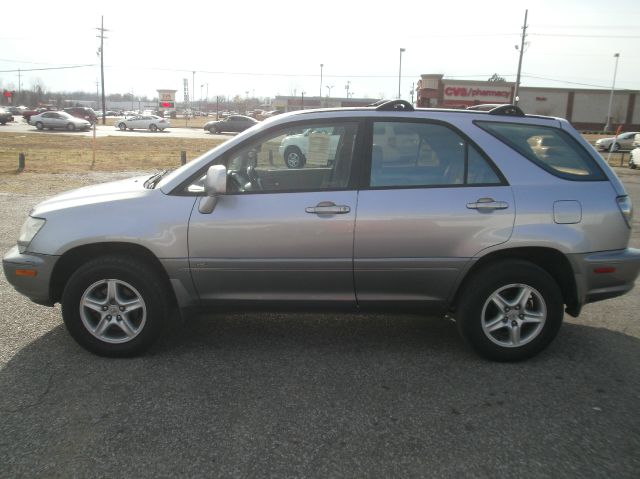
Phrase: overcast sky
(266, 48)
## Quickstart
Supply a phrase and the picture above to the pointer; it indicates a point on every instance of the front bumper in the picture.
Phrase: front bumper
(606, 274)
(35, 286)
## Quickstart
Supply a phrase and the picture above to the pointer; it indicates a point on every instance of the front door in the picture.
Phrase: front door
(278, 234)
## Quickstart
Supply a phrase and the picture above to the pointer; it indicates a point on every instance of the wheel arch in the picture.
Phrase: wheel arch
(551, 260)
(71, 260)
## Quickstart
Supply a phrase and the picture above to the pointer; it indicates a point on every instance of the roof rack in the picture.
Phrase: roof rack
(392, 105)
(507, 110)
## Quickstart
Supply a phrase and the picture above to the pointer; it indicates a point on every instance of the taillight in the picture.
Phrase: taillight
(626, 208)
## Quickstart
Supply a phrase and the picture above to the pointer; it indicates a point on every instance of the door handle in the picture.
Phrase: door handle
(328, 208)
(485, 204)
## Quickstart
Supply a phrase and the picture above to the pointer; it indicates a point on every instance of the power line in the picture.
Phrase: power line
(582, 36)
(49, 68)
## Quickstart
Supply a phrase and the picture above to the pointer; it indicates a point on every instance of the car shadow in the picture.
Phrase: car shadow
(309, 395)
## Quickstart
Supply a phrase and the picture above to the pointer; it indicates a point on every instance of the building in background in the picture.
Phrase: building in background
(585, 109)
(293, 103)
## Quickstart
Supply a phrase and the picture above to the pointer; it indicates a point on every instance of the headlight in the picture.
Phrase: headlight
(28, 231)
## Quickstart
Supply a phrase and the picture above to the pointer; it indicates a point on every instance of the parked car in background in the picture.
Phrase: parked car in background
(465, 220)
(5, 116)
(624, 141)
(143, 122)
(232, 123)
(82, 112)
(58, 120)
(634, 158)
(295, 148)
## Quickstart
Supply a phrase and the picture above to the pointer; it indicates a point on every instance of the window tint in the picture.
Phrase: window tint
(424, 154)
(550, 148)
(301, 158)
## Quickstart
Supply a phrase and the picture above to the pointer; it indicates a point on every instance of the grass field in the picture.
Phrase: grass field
(73, 154)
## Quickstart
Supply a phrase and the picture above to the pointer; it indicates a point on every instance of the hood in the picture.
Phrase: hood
(114, 191)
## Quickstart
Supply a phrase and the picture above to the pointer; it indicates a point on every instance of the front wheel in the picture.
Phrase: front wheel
(614, 147)
(71, 127)
(510, 310)
(122, 126)
(39, 125)
(153, 127)
(115, 306)
(293, 157)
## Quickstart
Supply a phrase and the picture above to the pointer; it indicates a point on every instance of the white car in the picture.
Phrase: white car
(143, 122)
(624, 141)
(295, 148)
(634, 160)
(60, 120)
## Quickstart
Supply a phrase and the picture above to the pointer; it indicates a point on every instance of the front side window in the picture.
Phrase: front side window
(304, 157)
(550, 148)
(405, 154)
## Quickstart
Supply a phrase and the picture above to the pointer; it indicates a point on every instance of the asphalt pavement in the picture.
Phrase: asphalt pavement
(317, 395)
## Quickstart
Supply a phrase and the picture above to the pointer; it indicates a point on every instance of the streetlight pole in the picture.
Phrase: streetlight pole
(329, 87)
(400, 72)
(346, 87)
(302, 104)
(609, 126)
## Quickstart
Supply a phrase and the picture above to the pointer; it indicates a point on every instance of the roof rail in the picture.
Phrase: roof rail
(507, 110)
(392, 105)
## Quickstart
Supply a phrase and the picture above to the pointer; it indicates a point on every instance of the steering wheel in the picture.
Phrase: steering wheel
(238, 183)
(254, 179)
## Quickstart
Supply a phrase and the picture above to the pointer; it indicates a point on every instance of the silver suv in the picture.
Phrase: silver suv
(500, 220)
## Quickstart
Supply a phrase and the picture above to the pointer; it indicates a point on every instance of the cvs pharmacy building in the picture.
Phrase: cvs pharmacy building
(435, 92)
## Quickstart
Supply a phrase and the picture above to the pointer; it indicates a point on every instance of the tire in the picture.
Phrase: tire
(115, 306)
(517, 329)
(39, 125)
(213, 130)
(614, 147)
(153, 127)
(122, 126)
(294, 158)
(632, 165)
(71, 127)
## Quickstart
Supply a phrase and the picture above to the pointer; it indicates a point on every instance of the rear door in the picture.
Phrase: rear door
(432, 200)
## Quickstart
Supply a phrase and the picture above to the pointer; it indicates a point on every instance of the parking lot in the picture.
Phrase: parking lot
(314, 395)
(178, 129)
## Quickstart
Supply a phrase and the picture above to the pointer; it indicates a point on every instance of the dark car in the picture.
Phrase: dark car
(5, 116)
(236, 123)
(82, 112)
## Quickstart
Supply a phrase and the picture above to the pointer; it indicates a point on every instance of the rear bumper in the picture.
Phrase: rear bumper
(35, 286)
(605, 275)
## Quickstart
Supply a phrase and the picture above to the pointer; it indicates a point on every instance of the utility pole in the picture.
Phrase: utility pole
(102, 37)
(524, 35)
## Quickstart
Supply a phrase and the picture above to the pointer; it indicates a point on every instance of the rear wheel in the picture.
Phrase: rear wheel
(115, 306)
(511, 310)
(153, 127)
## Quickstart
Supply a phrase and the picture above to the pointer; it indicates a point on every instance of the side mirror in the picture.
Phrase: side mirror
(215, 184)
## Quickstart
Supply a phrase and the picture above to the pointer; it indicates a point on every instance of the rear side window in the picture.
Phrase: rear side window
(407, 154)
(550, 148)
